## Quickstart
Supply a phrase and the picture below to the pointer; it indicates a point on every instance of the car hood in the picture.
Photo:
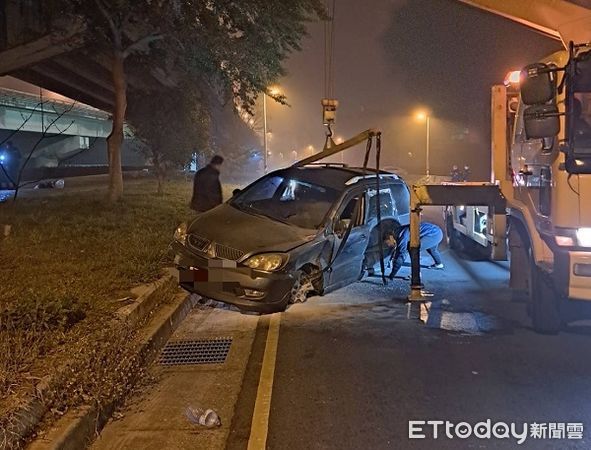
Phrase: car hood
(246, 232)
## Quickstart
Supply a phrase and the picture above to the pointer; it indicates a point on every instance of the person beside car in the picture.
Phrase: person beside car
(396, 241)
(430, 236)
(207, 189)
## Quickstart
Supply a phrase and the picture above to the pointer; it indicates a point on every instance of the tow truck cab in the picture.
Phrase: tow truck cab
(541, 159)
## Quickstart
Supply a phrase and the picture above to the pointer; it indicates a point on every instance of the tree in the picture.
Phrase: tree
(170, 123)
(237, 47)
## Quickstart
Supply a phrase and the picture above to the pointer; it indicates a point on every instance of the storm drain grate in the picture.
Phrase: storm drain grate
(209, 351)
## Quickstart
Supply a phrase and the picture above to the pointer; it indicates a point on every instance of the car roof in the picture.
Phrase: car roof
(338, 177)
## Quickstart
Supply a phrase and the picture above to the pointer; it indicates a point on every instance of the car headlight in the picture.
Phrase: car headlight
(180, 234)
(268, 262)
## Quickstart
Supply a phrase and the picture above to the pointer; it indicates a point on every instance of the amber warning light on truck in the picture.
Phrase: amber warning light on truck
(513, 78)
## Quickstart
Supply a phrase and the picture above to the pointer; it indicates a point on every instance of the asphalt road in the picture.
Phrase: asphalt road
(352, 368)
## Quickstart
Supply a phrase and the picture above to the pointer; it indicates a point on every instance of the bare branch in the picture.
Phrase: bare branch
(60, 131)
(43, 136)
(90, 147)
(25, 120)
(5, 172)
(116, 32)
(143, 45)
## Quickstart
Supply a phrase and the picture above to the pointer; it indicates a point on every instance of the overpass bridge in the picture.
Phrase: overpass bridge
(57, 128)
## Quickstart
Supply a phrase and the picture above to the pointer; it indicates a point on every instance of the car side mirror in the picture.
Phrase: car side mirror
(236, 192)
(537, 86)
(541, 121)
(341, 227)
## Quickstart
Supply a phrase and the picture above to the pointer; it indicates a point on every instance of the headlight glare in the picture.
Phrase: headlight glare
(268, 262)
(584, 237)
(180, 234)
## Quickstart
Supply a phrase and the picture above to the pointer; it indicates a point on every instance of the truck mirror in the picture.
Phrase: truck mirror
(537, 86)
(541, 121)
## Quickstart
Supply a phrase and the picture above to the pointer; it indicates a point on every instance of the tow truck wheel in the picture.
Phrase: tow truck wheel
(301, 288)
(451, 235)
(544, 301)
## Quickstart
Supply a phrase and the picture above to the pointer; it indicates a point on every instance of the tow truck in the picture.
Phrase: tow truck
(541, 163)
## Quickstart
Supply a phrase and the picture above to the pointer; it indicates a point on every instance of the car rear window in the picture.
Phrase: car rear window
(394, 201)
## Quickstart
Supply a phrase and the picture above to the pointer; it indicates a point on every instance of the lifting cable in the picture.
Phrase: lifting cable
(378, 137)
(329, 39)
(329, 49)
(356, 210)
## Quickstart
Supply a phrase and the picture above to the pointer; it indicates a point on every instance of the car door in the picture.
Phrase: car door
(349, 250)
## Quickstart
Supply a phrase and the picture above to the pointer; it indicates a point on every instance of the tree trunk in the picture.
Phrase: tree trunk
(115, 139)
(160, 182)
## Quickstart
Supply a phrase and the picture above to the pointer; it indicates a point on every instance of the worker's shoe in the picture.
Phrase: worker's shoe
(365, 272)
(439, 266)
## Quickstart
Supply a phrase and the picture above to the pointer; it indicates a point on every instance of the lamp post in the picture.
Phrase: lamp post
(423, 116)
(273, 91)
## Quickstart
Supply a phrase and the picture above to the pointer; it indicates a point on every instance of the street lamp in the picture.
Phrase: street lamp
(339, 140)
(424, 117)
(273, 90)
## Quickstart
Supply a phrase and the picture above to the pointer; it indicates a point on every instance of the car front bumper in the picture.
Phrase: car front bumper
(229, 282)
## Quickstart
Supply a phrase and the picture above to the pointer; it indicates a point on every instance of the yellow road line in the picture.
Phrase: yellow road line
(262, 407)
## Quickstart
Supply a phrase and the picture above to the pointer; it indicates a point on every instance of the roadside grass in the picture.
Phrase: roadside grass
(68, 257)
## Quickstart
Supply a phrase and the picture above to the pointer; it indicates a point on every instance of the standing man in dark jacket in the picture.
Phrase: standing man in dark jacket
(207, 189)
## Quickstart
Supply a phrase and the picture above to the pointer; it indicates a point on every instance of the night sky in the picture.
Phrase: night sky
(392, 56)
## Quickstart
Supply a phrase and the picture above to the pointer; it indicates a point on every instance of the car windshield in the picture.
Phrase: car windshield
(287, 200)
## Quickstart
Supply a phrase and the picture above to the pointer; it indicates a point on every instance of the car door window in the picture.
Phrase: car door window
(349, 213)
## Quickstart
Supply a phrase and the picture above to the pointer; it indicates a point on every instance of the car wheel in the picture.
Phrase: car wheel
(451, 235)
(543, 301)
(301, 288)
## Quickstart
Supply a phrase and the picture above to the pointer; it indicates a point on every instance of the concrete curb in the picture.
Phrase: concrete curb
(144, 302)
(30, 414)
(78, 428)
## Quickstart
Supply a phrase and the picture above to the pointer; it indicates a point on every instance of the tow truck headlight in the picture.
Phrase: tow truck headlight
(570, 237)
(584, 237)
(180, 234)
(268, 262)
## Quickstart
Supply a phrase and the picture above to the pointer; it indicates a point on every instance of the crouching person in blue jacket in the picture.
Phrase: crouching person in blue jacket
(396, 242)
(430, 236)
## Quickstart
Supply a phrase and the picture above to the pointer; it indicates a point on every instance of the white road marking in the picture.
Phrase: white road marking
(262, 407)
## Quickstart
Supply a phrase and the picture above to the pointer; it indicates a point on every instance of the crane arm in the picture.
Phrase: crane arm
(333, 150)
(559, 19)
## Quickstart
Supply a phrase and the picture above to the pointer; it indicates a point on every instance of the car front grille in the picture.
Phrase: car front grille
(225, 252)
(198, 243)
(204, 246)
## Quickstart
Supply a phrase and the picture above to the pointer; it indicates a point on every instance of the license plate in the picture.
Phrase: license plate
(193, 275)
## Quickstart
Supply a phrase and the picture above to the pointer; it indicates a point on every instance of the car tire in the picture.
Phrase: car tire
(451, 235)
(474, 250)
(544, 301)
(301, 288)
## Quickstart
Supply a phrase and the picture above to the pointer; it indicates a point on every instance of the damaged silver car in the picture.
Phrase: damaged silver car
(293, 232)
